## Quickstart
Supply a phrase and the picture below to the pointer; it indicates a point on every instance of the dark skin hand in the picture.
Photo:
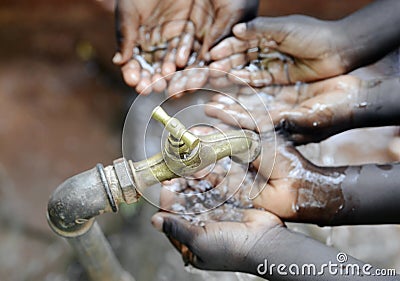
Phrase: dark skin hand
(259, 235)
(306, 112)
(311, 51)
(244, 246)
(206, 247)
(295, 189)
(284, 50)
(319, 193)
(345, 195)
(313, 112)
(168, 32)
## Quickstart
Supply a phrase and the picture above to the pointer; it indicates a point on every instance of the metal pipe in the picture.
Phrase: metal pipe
(71, 213)
(97, 257)
(73, 206)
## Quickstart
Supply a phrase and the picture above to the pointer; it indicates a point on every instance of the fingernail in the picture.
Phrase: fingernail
(117, 58)
(157, 222)
(239, 28)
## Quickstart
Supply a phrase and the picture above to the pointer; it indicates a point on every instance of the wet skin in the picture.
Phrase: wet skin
(301, 191)
(313, 112)
(243, 246)
(284, 50)
(345, 195)
(169, 34)
(328, 196)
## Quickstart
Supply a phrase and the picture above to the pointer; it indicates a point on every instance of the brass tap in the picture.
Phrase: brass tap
(179, 136)
(185, 153)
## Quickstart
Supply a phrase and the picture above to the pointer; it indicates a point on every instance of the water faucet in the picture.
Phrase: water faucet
(73, 206)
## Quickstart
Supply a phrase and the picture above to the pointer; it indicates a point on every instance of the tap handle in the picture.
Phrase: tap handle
(175, 128)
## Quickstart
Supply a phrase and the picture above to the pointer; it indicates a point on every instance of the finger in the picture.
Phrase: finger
(219, 29)
(144, 35)
(258, 78)
(144, 85)
(172, 29)
(232, 46)
(202, 16)
(169, 66)
(227, 114)
(185, 45)
(220, 82)
(187, 80)
(131, 72)
(196, 78)
(174, 226)
(158, 83)
(227, 64)
(273, 30)
(127, 25)
(157, 59)
(177, 84)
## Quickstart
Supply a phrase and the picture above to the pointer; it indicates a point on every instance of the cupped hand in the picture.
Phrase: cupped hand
(158, 37)
(218, 245)
(282, 50)
(305, 112)
(296, 189)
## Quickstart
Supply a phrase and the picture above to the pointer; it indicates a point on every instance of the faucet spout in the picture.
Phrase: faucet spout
(242, 146)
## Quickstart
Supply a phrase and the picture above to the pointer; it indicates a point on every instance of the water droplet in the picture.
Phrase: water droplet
(329, 238)
(362, 104)
(295, 207)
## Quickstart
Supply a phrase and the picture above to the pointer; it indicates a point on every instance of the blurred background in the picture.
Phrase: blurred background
(62, 108)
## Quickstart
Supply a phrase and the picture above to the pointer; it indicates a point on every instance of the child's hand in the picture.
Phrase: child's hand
(285, 49)
(158, 37)
(296, 189)
(306, 112)
(219, 245)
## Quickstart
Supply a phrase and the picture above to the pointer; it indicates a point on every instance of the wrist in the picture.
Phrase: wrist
(370, 33)
(319, 195)
(378, 103)
(344, 44)
(283, 251)
(363, 204)
(266, 248)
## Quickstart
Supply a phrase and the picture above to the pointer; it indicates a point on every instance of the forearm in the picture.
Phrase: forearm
(375, 104)
(371, 195)
(370, 33)
(378, 104)
(286, 255)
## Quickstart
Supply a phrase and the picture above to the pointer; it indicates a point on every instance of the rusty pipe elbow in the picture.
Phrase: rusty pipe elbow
(74, 204)
(72, 209)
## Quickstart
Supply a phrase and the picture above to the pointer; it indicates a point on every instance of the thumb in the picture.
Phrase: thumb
(219, 29)
(174, 226)
(271, 29)
(127, 26)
